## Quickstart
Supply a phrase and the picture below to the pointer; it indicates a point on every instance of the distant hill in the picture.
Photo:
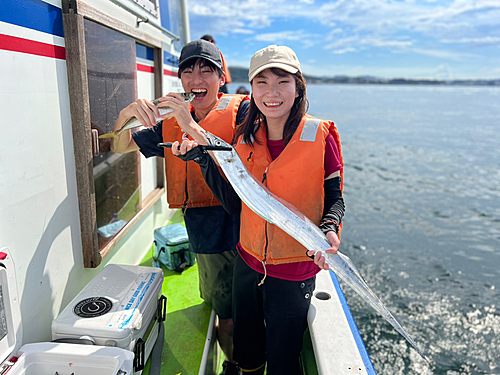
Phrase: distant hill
(238, 74)
(241, 75)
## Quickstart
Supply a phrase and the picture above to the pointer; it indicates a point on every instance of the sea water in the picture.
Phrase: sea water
(422, 222)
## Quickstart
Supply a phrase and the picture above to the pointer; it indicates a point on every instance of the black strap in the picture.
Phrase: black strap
(161, 315)
(183, 265)
(139, 355)
(155, 367)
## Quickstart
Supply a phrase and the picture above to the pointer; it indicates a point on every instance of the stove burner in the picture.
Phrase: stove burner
(93, 307)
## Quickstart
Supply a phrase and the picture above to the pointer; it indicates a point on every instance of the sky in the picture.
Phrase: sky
(431, 39)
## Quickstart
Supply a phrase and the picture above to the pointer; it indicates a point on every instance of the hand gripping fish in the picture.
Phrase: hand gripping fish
(287, 217)
(134, 123)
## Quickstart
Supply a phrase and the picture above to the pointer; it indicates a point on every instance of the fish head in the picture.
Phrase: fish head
(187, 96)
(213, 140)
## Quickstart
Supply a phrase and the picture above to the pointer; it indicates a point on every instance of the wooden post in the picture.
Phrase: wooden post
(160, 162)
(76, 63)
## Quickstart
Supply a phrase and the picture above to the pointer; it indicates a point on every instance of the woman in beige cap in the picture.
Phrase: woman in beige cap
(299, 159)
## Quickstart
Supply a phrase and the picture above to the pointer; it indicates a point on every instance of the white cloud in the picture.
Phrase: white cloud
(243, 31)
(273, 37)
(442, 54)
(355, 41)
(306, 39)
(338, 41)
(385, 43)
(423, 27)
(200, 10)
(345, 50)
(442, 72)
(481, 40)
(461, 18)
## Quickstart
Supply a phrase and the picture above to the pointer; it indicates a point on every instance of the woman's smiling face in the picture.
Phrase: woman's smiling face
(274, 95)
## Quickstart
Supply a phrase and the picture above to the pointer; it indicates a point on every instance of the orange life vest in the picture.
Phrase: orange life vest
(226, 70)
(297, 175)
(186, 186)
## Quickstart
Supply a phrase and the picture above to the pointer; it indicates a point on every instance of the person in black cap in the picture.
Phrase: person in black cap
(213, 233)
(242, 90)
(210, 38)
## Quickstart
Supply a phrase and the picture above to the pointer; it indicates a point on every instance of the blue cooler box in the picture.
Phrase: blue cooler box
(172, 248)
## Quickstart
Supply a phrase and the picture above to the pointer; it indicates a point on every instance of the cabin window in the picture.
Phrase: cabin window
(112, 82)
(118, 64)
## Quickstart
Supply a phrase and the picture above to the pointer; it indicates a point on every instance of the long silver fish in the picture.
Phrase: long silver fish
(133, 122)
(287, 217)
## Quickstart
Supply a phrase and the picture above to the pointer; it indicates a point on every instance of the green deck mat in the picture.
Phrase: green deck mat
(187, 322)
(308, 360)
(187, 319)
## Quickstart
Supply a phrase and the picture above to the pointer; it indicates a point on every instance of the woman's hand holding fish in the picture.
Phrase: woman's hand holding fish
(319, 259)
(185, 146)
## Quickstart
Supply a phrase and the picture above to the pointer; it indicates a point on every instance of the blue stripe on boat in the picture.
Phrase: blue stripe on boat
(33, 14)
(354, 329)
(169, 59)
(144, 52)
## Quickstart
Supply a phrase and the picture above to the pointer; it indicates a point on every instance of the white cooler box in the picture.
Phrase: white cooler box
(126, 299)
(121, 307)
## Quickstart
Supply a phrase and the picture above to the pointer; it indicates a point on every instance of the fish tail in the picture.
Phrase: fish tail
(108, 135)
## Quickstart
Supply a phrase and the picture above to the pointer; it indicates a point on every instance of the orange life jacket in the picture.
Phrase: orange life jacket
(226, 70)
(186, 186)
(297, 175)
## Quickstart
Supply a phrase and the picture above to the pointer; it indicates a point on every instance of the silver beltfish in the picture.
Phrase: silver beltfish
(288, 218)
(134, 123)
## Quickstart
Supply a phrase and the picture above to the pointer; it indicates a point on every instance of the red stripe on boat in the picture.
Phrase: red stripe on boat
(12, 43)
(169, 73)
(145, 68)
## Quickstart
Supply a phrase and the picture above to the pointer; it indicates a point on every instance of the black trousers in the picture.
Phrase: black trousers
(269, 320)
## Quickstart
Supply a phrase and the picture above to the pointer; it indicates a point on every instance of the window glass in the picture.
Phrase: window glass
(111, 71)
(171, 19)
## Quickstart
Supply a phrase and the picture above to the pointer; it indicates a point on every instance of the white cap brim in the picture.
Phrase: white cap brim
(285, 67)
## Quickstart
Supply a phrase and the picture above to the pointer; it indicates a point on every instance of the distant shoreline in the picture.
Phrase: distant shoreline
(241, 75)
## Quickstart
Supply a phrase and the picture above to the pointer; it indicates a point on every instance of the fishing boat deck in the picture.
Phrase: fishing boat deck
(187, 324)
(188, 321)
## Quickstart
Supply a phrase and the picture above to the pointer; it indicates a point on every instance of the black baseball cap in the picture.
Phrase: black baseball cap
(208, 38)
(201, 49)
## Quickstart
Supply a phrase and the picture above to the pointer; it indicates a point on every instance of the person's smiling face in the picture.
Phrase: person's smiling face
(274, 95)
(204, 82)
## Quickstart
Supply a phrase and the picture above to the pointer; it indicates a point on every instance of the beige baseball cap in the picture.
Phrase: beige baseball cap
(273, 56)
